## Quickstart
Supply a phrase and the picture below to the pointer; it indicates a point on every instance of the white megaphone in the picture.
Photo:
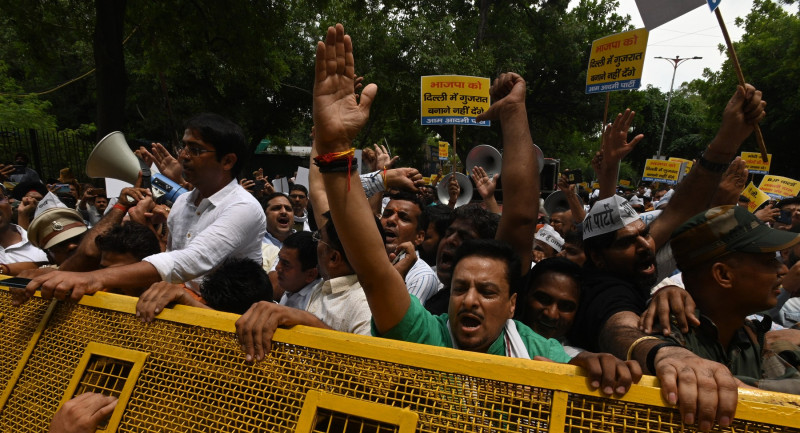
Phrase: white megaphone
(112, 157)
(486, 157)
(464, 197)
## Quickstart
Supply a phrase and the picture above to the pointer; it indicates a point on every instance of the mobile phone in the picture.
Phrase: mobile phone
(574, 176)
(63, 188)
(785, 217)
(260, 184)
(15, 282)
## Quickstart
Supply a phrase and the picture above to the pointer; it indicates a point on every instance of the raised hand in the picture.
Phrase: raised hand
(483, 183)
(508, 93)
(338, 114)
(383, 159)
(167, 164)
(615, 140)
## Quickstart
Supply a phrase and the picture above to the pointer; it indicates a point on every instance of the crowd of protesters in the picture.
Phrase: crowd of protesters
(684, 284)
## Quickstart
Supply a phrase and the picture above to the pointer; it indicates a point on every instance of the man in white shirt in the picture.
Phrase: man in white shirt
(298, 195)
(297, 270)
(217, 220)
(16, 253)
(280, 218)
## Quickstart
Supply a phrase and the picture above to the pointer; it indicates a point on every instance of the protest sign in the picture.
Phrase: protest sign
(656, 170)
(624, 182)
(616, 62)
(443, 150)
(688, 162)
(454, 99)
(756, 196)
(779, 187)
(755, 165)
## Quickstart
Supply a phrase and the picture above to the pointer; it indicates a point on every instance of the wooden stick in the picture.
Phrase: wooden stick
(735, 60)
(455, 163)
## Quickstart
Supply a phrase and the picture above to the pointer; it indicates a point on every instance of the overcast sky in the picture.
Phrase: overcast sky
(695, 34)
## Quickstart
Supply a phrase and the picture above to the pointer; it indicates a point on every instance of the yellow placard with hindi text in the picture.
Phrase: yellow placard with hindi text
(454, 99)
(755, 165)
(616, 62)
(688, 162)
(756, 197)
(443, 149)
(779, 187)
(657, 170)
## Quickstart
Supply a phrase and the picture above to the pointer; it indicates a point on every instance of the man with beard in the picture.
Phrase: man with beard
(215, 221)
(403, 220)
(621, 266)
(484, 273)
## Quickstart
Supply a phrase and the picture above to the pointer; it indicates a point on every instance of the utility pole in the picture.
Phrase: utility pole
(677, 61)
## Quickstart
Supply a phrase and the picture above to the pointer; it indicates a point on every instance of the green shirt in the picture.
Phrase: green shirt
(420, 326)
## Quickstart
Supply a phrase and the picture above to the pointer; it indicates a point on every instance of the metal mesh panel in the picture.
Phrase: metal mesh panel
(331, 421)
(591, 414)
(18, 325)
(195, 379)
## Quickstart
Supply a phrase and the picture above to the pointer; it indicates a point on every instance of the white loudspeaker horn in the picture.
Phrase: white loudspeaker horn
(486, 157)
(539, 157)
(112, 157)
(464, 197)
(554, 201)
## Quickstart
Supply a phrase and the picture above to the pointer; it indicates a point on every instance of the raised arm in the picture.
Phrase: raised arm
(615, 147)
(338, 117)
(520, 171)
(744, 110)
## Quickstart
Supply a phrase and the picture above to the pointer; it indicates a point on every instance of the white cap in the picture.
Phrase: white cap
(608, 215)
(550, 236)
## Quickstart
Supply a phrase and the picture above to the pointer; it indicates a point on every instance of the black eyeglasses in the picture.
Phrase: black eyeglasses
(191, 150)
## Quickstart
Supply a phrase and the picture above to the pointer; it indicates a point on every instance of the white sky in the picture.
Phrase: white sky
(696, 33)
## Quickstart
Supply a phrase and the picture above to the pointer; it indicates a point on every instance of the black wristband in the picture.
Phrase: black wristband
(651, 355)
(339, 167)
(712, 166)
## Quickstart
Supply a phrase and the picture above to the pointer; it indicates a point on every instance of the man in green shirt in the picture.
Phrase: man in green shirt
(481, 301)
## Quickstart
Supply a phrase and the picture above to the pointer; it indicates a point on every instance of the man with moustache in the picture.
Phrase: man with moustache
(621, 266)
(729, 266)
(216, 220)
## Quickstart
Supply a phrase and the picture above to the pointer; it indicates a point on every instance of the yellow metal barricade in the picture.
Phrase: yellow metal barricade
(186, 372)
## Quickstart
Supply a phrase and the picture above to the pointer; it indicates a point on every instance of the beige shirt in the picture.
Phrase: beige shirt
(341, 304)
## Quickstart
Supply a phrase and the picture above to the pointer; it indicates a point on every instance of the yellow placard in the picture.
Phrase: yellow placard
(443, 149)
(454, 99)
(755, 165)
(779, 187)
(688, 162)
(616, 62)
(625, 182)
(756, 196)
(657, 170)
(595, 185)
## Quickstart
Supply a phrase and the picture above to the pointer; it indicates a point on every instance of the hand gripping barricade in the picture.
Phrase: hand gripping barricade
(186, 372)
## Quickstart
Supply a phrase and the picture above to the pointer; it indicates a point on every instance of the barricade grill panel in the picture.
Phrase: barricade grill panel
(194, 378)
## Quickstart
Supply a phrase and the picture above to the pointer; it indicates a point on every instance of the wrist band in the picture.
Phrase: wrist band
(716, 167)
(120, 207)
(636, 343)
(651, 355)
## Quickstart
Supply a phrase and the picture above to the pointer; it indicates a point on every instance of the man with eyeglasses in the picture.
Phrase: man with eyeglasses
(216, 220)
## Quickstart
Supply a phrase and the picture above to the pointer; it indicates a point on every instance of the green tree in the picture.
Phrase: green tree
(768, 54)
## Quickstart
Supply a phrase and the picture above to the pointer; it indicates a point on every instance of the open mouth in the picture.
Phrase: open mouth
(445, 260)
(469, 322)
(283, 220)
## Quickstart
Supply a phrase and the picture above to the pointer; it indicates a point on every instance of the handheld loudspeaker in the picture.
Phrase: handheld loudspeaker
(464, 197)
(112, 157)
